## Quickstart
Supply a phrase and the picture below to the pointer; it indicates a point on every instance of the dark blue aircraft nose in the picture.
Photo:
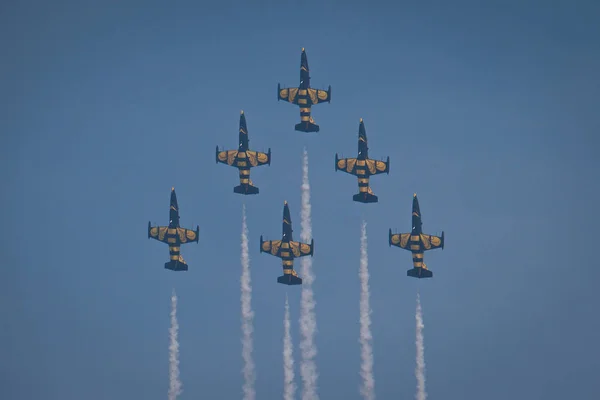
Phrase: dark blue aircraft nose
(242, 120)
(362, 133)
(286, 212)
(173, 198)
(415, 207)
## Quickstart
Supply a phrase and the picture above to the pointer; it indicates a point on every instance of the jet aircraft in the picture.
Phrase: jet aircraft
(174, 236)
(243, 159)
(417, 242)
(287, 249)
(305, 97)
(362, 167)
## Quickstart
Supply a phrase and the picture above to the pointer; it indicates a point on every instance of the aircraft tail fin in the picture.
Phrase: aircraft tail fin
(177, 265)
(419, 273)
(307, 126)
(246, 189)
(289, 279)
(365, 197)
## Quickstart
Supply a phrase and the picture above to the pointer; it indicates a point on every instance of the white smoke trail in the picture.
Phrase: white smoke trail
(289, 387)
(308, 322)
(420, 368)
(366, 370)
(174, 382)
(247, 315)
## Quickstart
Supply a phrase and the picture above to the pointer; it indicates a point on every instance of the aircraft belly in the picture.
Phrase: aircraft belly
(173, 240)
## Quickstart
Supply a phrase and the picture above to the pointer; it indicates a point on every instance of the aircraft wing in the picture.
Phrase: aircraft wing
(160, 233)
(301, 249)
(401, 240)
(257, 158)
(377, 167)
(187, 235)
(270, 246)
(316, 95)
(345, 164)
(287, 94)
(319, 96)
(226, 156)
(431, 242)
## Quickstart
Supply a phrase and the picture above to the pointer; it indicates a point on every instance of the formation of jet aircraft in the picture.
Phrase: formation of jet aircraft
(287, 249)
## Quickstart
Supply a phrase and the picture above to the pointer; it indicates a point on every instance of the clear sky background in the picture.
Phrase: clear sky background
(490, 114)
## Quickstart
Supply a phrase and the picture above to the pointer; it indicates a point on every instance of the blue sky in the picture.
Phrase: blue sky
(488, 113)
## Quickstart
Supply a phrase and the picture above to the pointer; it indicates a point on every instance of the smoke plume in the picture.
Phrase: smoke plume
(174, 381)
(247, 315)
(289, 387)
(308, 322)
(420, 368)
(366, 371)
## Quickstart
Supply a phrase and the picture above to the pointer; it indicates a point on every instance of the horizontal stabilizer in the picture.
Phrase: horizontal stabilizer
(246, 189)
(175, 265)
(365, 198)
(289, 279)
(419, 273)
(307, 127)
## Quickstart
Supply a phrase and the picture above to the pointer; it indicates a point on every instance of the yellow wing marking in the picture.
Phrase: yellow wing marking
(181, 234)
(371, 166)
(430, 241)
(256, 157)
(271, 246)
(312, 93)
(275, 246)
(252, 158)
(350, 162)
(300, 249)
(426, 242)
(154, 232)
(322, 94)
(190, 234)
(262, 158)
(292, 94)
(266, 246)
(381, 166)
(342, 163)
(375, 166)
(228, 156)
(305, 248)
(283, 93)
(401, 239)
(295, 246)
(162, 231)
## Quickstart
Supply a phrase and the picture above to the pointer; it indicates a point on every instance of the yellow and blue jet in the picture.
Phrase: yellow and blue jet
(362, 167)
(243, 159)
(417, 242)
(305, 97)
(174, 236)
(287, 249)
